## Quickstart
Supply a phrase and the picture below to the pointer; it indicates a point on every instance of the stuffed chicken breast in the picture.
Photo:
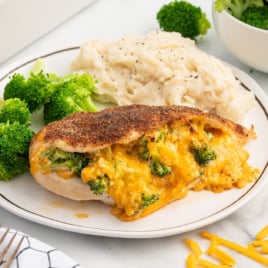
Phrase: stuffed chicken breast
(139, 158)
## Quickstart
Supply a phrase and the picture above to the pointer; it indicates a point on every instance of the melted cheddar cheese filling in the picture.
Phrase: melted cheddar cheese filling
(132, 175)
(162, 165)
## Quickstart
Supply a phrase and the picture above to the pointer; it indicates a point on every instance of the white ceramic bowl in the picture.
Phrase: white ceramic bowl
(248, 44)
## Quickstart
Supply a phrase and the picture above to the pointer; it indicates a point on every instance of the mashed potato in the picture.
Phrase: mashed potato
(162, 68)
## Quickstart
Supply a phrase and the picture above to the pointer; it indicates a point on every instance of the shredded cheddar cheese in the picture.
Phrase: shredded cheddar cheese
(237, 247)
(194, 259)
(221, 255)
(262, 233)
(191, 261)
(193, 246)
(261, 243)
(209, 264)
(251, 247)
(264, 247)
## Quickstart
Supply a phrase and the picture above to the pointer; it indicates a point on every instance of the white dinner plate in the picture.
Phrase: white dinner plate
(34, 253)
(23, 197)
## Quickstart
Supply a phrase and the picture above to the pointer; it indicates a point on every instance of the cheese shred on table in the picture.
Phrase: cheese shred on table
(194, 258)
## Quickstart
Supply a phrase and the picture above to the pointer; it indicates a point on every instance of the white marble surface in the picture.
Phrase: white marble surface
(111, 19)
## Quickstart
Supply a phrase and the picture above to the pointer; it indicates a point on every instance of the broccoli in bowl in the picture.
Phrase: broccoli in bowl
(252, 12)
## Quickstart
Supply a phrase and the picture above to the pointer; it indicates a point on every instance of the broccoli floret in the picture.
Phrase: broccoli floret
(34, 90)
(236, 7)
(256, 16)
(143, 151)
(100, 185)
(148, 199)
(72, 96)
(8, 170)
(203, 154)
(183, 17)
(14, 110)
(59, 159)
(252, 12)
(14, 149)
(158, 168)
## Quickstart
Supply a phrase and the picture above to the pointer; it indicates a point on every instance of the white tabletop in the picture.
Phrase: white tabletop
(111, 19)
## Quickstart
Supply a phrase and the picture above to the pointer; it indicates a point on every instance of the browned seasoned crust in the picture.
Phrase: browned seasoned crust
(87, 131)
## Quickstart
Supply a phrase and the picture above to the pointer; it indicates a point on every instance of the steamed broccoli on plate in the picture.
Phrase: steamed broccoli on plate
(14, 144)
(58, 95)
(35, 90)
(252, 12)
(72, 95)
(15, 110)
(15, 137)
(183, 17)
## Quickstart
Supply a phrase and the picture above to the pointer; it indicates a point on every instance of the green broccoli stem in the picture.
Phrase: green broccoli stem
(237, 8)
(87, 105)
(39, 65)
